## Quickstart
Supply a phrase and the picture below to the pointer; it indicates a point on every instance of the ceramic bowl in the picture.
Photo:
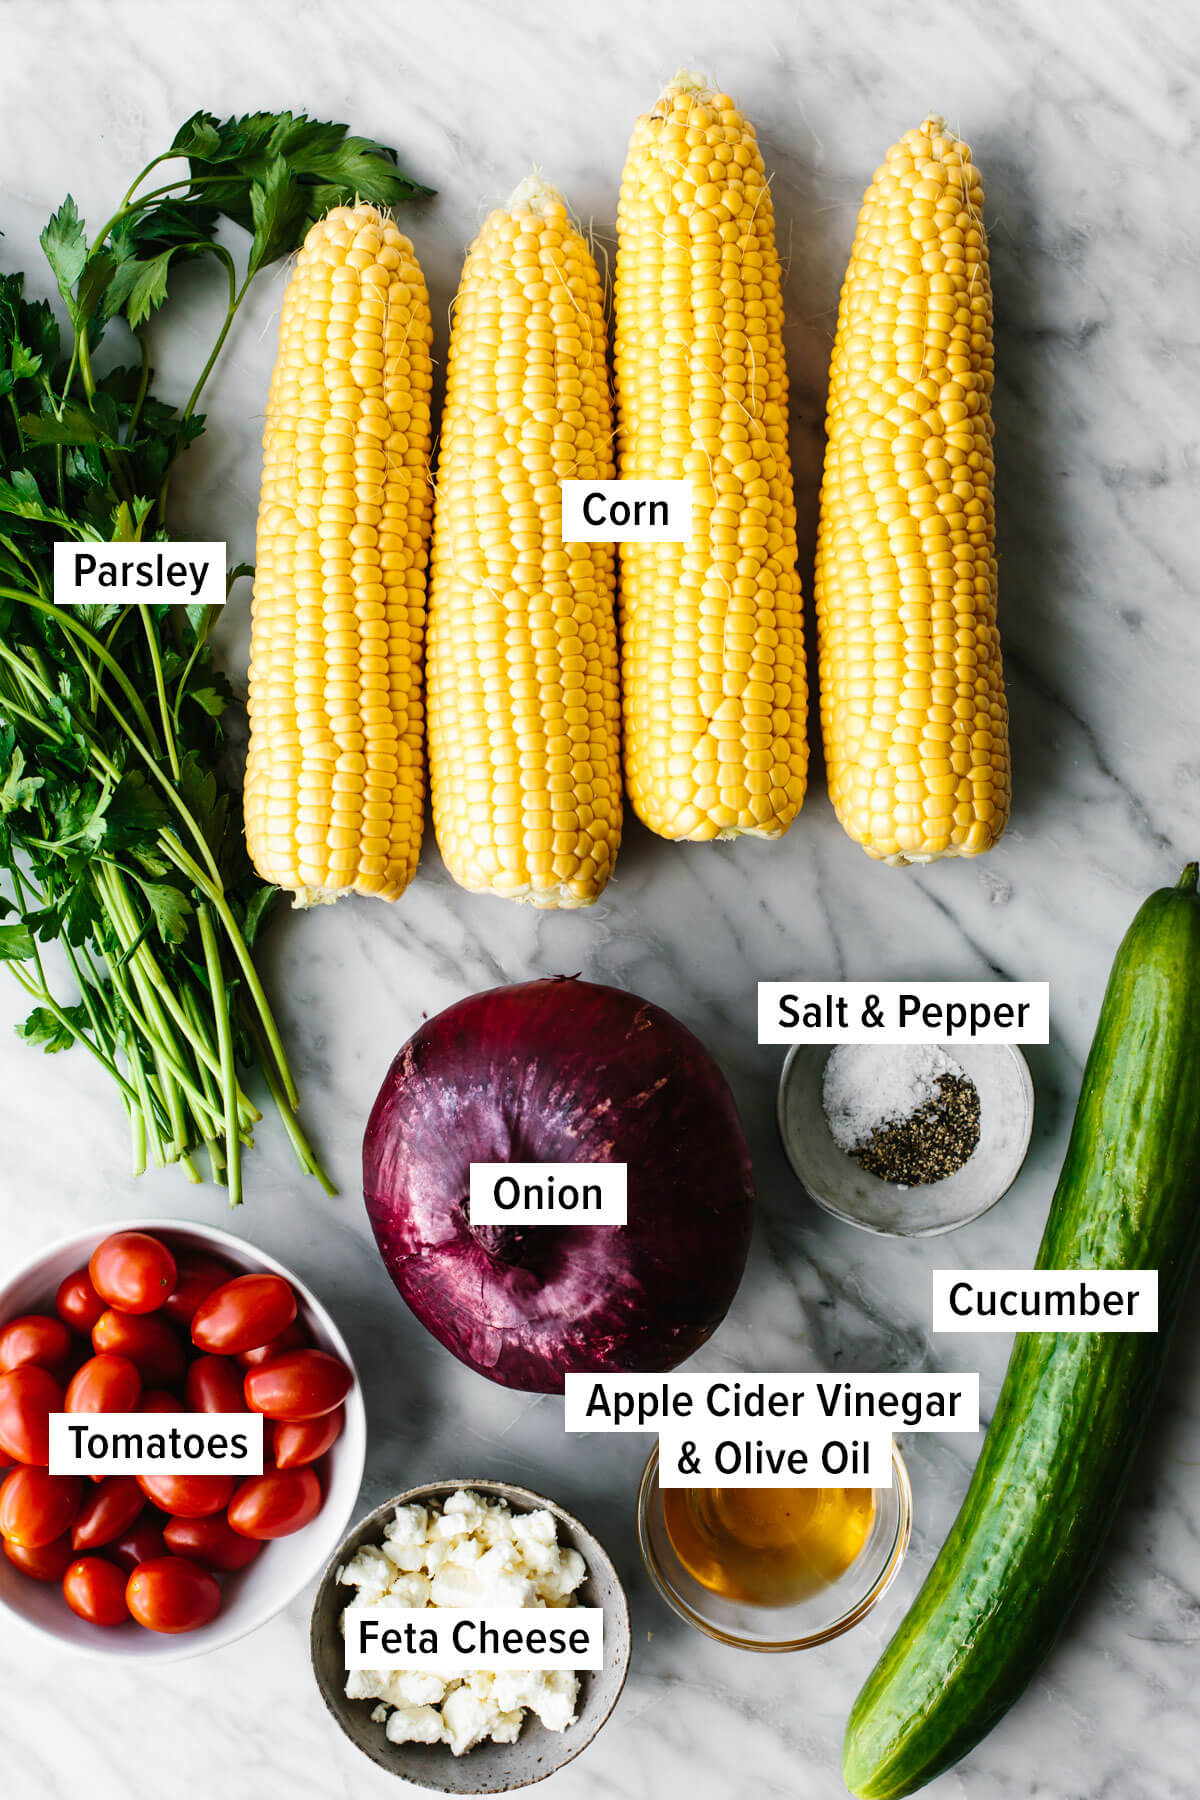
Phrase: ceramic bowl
(838, 1184)
(488, 1768)
(284, 1567)
(826, 1614)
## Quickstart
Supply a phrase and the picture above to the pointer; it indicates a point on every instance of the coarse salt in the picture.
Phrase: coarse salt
(866, 1086)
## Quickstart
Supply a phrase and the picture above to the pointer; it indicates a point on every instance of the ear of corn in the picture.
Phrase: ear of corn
(524, 709)
(712, 631)
(912, 692)
(334, 793)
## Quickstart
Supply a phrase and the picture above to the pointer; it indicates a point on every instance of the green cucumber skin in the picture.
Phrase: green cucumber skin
(1073, 1406)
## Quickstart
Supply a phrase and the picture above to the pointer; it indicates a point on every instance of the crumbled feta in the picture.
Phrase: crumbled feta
(472, 1552)
(414, 1725)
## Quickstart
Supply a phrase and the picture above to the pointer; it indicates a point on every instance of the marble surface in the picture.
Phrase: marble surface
(1082, 117)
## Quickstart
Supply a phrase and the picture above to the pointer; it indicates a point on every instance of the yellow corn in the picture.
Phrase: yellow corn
(335, 776)
(524, 708)
(712, 631)
(912, 691)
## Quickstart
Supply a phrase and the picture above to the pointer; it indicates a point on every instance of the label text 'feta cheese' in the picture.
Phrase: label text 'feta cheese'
(451, 1640)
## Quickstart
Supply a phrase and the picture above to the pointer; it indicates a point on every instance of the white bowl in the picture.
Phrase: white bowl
(842, 1187)
(285, 1565)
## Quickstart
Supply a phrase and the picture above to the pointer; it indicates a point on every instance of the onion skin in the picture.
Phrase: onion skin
(561, 1070)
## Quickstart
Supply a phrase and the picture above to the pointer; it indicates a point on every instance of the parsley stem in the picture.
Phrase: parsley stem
(137, 1127)
(216, 896)
(216, 981)
(142, 964)
(137, 1070)
(80, 634)
(305, 1155)
(39, 992)
(172, 792)
(160, 687)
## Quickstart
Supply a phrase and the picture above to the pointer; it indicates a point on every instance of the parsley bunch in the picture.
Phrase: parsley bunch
(121, 841)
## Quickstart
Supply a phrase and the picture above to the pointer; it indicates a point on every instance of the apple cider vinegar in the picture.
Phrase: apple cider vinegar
(767, 1546)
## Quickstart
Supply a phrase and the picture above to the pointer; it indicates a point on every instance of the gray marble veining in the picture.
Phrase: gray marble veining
(1083, 118)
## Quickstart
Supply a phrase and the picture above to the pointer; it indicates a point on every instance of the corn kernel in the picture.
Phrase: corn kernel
(909, 652)
(323, 707)
(524, 714)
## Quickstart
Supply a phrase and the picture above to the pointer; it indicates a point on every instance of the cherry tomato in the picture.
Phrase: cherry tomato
(77, 1303)
(151, 1346)
(132, 1271)
(95, 1589)
(35, 1338)
(243, 1314)
(104, 1383)
(298, 1443)
(296, 1337)
(158, 1400)
(140, 1545)
(170, 1593)
(211, 1542)
(188, 1496)
(48, 1562)
(300, 1384)
(108, 1512)
(198, 1276)
(37, 1507)
(28, 1395)
(275, 1504)
(214, 1384)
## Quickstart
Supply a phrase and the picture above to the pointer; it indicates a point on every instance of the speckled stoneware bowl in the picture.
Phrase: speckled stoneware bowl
(839, 1185)
(488, 1768)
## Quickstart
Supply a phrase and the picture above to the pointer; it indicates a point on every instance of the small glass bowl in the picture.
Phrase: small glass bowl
(824, 1615)
(842, 1187)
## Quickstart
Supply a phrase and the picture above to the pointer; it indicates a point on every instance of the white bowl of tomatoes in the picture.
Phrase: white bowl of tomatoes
(165, 1317)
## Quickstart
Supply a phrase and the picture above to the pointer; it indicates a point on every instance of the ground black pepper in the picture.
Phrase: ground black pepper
(933, 1142)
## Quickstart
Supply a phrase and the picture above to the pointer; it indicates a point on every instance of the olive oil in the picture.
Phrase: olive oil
(768, 1546)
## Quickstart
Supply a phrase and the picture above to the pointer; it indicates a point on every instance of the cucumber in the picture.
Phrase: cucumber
(1073, 1405)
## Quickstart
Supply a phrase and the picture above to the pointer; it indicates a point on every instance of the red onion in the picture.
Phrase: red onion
(561, 1070)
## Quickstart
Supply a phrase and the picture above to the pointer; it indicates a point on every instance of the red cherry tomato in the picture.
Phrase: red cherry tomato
(133, 1271)
(77, 1303)
(155, 1400)
(172, 1594)
(95, 1589)
(140, 1545)
(243, 1314)
(35, 1338)
(198, 1275)
(28, 1395)
(188, 1496)
(275, 1504)
(37, 1507)
(104, 1384)
(48, 1562)
(214, 1384)
(296, 1337)
(211, 1542)
(298, 1443)
(300, 1384)
(108, 1512)
(150, 1344)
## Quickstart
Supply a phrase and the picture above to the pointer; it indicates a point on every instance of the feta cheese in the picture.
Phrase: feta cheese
(415, 1725)
(473, 1551)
